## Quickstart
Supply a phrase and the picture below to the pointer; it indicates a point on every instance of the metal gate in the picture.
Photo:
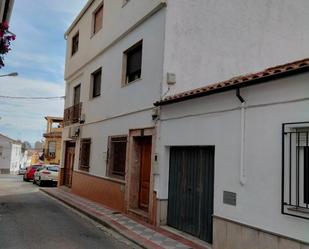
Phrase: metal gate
(191, 187)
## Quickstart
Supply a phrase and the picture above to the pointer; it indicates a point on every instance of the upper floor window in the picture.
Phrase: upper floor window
(75, 43)
(52, 149)
(84, 154)
(98, 19)
(96, 83)
(1, 151)
(133, 62)
(76, 96)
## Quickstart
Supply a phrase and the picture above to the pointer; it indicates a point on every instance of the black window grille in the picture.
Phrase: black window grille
(117, 156)
(295, 169)
(84, 156)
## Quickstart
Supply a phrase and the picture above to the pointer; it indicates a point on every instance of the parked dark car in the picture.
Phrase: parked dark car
(30, 172)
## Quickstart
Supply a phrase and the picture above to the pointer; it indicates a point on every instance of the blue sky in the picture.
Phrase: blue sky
(38, 56)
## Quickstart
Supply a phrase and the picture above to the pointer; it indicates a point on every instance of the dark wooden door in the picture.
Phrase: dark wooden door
(145, 168)
(191, 187)
(69, 164)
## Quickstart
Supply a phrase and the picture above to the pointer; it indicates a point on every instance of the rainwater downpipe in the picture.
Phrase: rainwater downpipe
(242, 173)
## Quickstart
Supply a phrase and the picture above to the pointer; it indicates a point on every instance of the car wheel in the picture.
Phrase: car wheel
(40, 182)
(34, 182)
(25, 179)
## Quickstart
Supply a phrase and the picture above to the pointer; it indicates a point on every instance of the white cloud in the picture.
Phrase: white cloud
(24, 117)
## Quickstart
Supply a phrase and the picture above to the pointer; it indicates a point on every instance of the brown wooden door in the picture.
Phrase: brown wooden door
(69, 164)
(145, 161)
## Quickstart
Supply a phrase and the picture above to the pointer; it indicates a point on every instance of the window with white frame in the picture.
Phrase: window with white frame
(133, 63)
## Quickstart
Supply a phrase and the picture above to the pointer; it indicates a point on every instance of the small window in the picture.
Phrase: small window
(98, 19)
(52, 149)
(75, 43)
(1, 151)
(84, 156)
(133, 62)
(117, 156)
(96, 83)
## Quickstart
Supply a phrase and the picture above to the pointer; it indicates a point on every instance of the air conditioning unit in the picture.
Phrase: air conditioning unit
(74, 132)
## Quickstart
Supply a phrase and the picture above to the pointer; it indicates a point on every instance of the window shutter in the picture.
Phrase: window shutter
(98, 20)
(134, 61)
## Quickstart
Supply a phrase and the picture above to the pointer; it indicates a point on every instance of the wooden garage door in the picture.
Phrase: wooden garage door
(191, 187)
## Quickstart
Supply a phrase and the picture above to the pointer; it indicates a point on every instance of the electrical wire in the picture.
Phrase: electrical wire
(31, 98)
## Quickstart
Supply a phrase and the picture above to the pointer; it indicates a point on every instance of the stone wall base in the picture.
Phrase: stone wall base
(230, 235)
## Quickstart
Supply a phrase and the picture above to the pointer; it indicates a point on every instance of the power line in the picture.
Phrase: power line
(30, 98)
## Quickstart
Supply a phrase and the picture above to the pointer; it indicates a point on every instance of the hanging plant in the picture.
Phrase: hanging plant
(5, 41)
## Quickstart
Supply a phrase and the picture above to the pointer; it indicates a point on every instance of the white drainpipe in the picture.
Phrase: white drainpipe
(242, 173)
(242, 176)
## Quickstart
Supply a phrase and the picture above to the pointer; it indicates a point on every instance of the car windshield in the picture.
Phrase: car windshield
(53, 168)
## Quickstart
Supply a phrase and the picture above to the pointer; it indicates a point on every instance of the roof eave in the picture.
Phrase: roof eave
(241, 85)
(77, 19)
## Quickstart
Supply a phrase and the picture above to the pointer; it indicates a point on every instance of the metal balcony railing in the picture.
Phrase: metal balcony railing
(72, 114)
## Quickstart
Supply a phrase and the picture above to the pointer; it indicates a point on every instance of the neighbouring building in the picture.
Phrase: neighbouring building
(52, 144)
(203, 165)
(34, 156)
(6, 7)
(10, 155)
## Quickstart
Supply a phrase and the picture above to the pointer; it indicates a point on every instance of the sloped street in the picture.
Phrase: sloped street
(29, 219)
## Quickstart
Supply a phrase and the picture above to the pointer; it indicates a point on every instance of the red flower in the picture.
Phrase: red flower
(5, 25)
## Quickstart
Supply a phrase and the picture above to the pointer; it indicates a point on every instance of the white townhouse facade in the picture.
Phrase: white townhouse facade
(10, 155)
(199, 165)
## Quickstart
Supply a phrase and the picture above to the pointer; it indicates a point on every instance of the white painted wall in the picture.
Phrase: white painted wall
(115, 99)
(16, 158)
(117, 20)
(259, 200)
(5, 159)
(118, 108)
(11, 154)
(213, 40)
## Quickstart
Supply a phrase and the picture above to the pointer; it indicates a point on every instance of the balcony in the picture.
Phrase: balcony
(72, 114)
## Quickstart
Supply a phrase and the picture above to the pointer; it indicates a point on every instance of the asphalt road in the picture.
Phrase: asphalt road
(31, 220)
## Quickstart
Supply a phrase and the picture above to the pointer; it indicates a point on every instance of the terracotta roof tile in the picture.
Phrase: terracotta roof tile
(239, 81)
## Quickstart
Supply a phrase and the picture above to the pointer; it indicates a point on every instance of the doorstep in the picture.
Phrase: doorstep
(142, 233)
(187, 236)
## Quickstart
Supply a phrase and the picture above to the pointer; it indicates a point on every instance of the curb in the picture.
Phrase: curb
(93, 217)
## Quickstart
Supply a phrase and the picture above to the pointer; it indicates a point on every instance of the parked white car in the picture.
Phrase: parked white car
(46, 174)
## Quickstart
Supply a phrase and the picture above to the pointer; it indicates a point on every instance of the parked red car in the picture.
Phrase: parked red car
(30, 172)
